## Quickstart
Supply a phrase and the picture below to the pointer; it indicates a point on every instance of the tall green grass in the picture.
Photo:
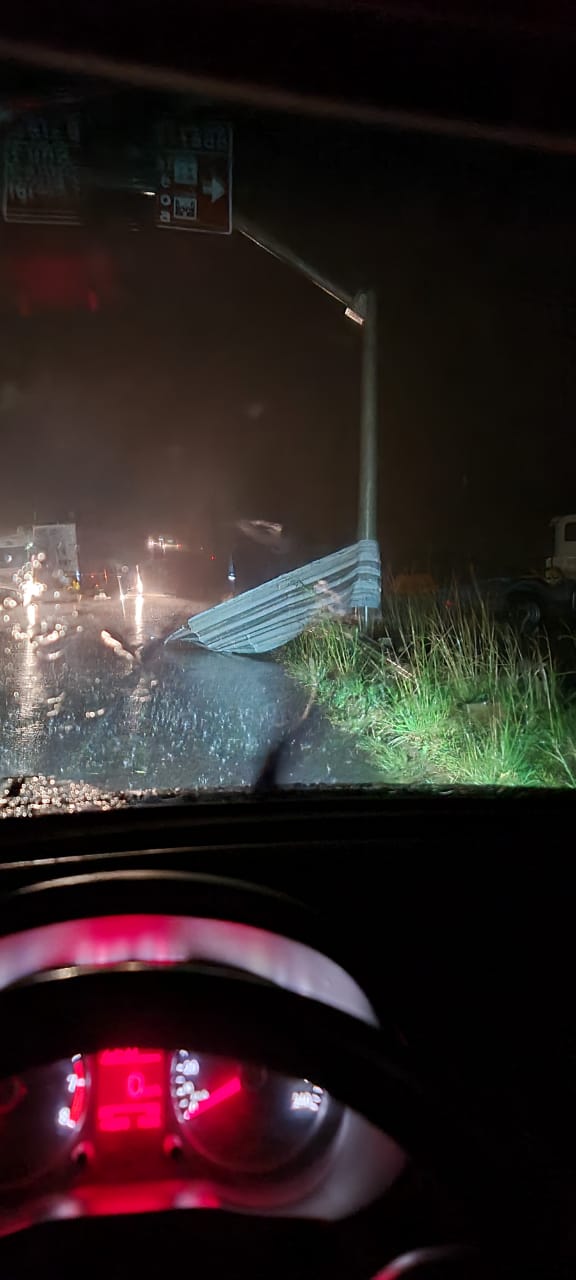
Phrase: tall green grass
(443, 696)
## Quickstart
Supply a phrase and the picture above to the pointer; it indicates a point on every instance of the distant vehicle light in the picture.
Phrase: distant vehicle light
(164, 544)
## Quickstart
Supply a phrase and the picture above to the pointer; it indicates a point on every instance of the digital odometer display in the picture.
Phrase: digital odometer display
(131, 1088)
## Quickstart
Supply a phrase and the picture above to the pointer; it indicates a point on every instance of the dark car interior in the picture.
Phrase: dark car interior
(374, 987)
(396, 958)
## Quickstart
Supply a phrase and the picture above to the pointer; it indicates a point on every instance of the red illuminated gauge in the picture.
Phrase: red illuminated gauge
(41, 1115)
(246, 1119)
(71, 1113)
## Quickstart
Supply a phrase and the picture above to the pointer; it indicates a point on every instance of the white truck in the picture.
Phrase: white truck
(56, 547)
(551, 597)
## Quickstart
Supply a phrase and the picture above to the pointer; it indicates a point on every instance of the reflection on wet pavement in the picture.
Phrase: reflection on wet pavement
(85, 696)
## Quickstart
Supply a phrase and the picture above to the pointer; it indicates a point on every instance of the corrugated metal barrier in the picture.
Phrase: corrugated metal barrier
(266, 617)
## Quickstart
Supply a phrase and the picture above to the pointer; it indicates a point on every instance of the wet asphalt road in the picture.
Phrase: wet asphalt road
(74, 708)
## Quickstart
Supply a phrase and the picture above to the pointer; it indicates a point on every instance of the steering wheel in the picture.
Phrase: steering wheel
(237, 1015)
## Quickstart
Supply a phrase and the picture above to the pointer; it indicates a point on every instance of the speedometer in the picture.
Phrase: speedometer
(245, 1118)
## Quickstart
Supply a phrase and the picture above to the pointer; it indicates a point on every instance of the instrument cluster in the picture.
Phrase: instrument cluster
(181, 1129)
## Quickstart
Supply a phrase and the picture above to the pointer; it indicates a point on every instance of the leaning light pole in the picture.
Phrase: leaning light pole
(362, 309)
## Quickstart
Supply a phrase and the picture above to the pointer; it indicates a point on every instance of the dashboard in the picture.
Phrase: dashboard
(152, 1127)
(215, 885)
(120, 1129)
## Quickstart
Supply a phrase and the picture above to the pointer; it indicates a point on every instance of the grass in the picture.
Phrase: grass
(443, 696)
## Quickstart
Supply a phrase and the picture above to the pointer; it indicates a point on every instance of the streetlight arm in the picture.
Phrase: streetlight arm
(284, 254)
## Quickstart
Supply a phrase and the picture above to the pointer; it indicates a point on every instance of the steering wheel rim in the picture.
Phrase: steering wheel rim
(112, 893)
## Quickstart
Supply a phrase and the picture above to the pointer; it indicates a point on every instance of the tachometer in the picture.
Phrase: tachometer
(41, 1114)
(244, 1118)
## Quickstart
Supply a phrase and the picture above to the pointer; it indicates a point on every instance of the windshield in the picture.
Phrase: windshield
(285, 408)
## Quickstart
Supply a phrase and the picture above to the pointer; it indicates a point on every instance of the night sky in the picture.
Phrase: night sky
(217, 384)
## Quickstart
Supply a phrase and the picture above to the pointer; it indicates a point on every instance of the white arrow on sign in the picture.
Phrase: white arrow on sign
(214, 188)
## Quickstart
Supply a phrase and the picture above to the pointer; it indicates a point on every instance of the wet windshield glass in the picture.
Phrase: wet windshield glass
(284, 408)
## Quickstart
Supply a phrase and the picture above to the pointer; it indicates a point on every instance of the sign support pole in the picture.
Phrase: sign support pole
(362, 308)
(368, 461)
